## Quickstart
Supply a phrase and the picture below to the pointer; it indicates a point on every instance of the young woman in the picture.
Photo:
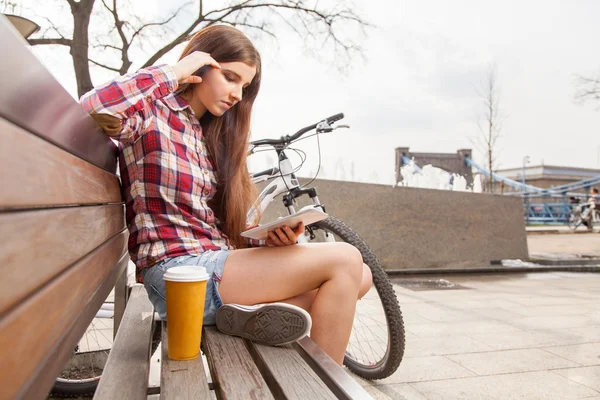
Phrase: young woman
(183, 134)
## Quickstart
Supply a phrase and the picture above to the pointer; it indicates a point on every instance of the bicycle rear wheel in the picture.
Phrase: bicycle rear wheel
(81, 375)
(377, 341)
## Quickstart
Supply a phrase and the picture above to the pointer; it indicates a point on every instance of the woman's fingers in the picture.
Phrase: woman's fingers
(291, 236)
(299, 230)
(192, 79)
(285, 236)
(274, 239)
(282, 236)
(192, 63)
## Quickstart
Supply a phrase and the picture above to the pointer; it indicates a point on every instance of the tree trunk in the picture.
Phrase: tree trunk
(82, 12)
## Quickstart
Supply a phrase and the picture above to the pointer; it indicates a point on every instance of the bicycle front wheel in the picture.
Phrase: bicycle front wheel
(376, 344)
(573, 221)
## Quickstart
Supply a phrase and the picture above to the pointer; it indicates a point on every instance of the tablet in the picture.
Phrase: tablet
(308, 215)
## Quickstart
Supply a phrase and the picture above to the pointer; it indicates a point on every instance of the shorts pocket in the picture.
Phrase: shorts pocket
(157, 292)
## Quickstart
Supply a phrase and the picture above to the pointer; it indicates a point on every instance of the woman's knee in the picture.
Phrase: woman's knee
(348, 260)
(366, 282)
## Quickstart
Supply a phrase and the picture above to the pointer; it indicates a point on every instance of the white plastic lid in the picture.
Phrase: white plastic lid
(186, 274)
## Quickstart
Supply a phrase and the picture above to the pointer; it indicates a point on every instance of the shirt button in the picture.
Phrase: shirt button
(206, 192)
(209, 212)
(205, 172)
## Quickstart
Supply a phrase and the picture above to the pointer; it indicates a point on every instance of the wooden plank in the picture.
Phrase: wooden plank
(181, 379)
(33, 99)
(120, 301)
(35, 173)
(340, 383)
(33, 328)
(234, 373)
(37, 245)
(43, 378)
(287, 374)
(126, 372)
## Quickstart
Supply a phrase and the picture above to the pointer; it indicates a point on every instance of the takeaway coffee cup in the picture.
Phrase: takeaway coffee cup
(186, 291)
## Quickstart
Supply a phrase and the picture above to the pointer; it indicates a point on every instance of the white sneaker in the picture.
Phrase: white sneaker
(271, 324)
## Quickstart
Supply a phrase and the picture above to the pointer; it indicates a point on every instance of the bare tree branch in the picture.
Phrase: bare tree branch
(125, 62)
(489, 123)
(121, 29)
(588, 89)
(43, 41)
(152, 24)
(309, 17)
(105, 66)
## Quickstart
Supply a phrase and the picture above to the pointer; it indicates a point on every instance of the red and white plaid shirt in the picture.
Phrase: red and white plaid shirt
(167, 176)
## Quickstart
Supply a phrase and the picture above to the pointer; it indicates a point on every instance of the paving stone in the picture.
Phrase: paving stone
(588, 376)
(425, 369)
(443, 345)
(394, 392)
(463, 327)
(552, 322)
(587, 354)
(533, 338)
(509, 361)
(542, 385)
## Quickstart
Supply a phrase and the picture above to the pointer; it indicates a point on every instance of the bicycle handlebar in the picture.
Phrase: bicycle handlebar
(295, 136)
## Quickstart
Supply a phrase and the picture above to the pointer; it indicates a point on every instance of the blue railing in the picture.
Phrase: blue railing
(540, 205)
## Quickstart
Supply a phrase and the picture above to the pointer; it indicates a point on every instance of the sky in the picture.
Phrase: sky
(417, 85)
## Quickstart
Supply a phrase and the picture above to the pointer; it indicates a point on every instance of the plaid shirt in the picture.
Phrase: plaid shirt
(167, 176)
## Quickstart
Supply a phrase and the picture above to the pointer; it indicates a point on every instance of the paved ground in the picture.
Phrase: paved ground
(507, 336)
(533, 336)
(584, 243)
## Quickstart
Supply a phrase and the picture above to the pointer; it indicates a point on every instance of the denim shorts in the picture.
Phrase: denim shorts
(213, 261)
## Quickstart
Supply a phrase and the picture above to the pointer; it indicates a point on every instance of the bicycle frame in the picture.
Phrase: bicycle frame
(284, 181)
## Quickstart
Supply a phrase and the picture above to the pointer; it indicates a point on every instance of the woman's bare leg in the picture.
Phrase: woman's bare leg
(305, 300)
(265, 275)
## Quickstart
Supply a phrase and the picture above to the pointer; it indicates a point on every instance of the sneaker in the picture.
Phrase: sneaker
(272, 324)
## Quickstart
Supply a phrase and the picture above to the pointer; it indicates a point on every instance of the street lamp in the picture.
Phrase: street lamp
(25, 27)
(525, 161)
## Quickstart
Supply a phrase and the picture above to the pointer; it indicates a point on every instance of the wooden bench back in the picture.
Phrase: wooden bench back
(63, 236)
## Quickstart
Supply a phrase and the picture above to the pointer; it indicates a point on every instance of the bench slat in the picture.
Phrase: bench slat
(32, 98)
(33, 328)
(340, 383)
(43, 378)
(37, 245)
(35, 173)
(181, 379)
(128, 365)
(288, 375)
(234, 373)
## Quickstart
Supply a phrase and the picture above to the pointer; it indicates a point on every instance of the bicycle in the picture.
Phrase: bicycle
(377, 341)
(575, 217)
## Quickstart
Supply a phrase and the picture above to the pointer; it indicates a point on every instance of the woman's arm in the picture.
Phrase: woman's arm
(121, 106)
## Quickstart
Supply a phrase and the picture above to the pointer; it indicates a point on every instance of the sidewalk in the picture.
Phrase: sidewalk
(585, 244)
(515, 336)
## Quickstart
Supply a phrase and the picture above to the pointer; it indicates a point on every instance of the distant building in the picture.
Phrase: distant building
(545, 176)
(450, 162)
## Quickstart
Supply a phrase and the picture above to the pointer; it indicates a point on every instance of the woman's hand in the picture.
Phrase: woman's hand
(190, 64)
(285, 236)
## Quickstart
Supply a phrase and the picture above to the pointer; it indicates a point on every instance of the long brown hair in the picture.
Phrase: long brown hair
(227, 136)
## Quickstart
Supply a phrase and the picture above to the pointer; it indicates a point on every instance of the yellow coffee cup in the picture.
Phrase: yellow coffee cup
(186, 291)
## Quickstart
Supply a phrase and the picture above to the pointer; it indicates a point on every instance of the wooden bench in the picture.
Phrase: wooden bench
(64, 248)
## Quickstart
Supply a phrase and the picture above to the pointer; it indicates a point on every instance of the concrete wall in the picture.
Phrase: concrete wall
(423, 228)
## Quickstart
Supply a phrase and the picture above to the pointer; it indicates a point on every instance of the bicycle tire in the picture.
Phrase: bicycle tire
(572, 221)
(87, 387)
(390, 362)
